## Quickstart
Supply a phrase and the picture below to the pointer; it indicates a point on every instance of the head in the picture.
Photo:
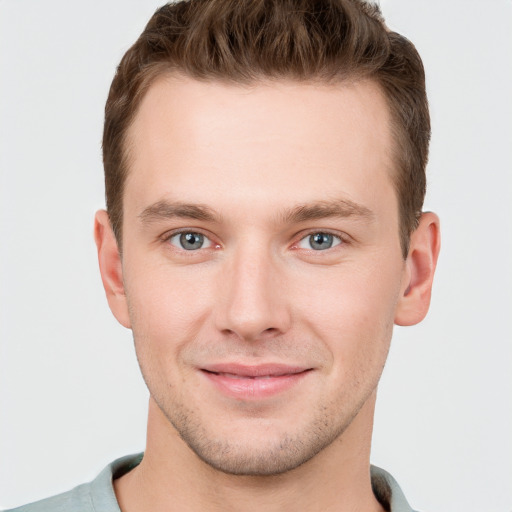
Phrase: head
(265, 174)
(307, 41)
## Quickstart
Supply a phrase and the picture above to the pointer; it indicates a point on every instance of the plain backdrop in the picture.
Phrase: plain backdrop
(71, 396)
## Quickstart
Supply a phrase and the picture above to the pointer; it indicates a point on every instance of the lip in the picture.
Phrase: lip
(254, 382)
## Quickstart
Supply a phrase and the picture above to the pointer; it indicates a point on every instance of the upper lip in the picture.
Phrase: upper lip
(260, 370)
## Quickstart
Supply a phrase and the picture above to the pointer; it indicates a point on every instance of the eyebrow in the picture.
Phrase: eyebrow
(164, 210)
(341, 208)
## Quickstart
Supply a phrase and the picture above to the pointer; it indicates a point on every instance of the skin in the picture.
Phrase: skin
(257, 171)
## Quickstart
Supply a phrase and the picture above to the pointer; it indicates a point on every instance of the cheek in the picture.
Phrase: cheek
(168, 306)
(352, 309)
(167, 312)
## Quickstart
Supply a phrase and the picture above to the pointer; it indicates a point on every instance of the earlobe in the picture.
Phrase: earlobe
(414, 299)
(111, 269)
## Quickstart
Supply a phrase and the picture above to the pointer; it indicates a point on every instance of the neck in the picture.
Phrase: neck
(172, 477)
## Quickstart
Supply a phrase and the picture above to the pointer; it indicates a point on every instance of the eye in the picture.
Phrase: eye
(190, 241)
(319, 241)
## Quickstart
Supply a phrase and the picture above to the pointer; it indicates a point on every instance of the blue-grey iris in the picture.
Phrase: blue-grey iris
(320, 241)
(191, 241)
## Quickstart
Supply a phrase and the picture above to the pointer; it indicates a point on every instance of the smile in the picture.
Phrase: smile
(234, 376)
(254, 382)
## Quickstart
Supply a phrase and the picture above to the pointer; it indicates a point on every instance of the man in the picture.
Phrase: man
(265, 174)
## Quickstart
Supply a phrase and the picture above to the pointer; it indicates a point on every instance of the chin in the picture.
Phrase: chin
(255, 448)
(233, 459)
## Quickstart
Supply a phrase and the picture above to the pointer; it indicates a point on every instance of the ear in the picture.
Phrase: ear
(420, 266)
(111, 267)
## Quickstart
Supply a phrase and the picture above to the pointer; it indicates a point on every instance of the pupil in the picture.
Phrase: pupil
(321, 241)
(190, 241)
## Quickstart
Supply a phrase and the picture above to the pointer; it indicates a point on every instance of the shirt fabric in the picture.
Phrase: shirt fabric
(99, 496)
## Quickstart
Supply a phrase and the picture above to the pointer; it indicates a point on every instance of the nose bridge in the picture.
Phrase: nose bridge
(252, 305)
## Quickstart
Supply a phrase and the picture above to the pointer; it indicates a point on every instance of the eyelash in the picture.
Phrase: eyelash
(167, 237)
(342, 240)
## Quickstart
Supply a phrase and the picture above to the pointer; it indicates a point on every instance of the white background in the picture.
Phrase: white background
(71, 397)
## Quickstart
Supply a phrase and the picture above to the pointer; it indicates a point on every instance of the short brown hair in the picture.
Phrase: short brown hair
(249, 40)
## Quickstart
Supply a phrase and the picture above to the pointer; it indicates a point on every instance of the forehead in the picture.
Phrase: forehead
(209, 140)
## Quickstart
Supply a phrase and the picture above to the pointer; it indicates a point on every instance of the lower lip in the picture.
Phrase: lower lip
(246, 388)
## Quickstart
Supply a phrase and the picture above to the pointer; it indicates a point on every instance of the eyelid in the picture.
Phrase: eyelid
(342, 237)
(207, 243)
(166, 237)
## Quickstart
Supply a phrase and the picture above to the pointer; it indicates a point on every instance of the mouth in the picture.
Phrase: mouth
(246, 382)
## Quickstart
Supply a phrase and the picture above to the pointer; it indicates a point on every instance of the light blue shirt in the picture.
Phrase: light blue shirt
(99, 496)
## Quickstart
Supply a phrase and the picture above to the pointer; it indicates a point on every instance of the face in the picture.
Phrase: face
(261, 263)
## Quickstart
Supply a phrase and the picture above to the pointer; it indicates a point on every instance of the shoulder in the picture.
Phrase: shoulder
(388, 492)
(96, 496)
(78, 499)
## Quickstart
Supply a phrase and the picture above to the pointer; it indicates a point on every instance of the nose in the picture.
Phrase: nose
(252, 301)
